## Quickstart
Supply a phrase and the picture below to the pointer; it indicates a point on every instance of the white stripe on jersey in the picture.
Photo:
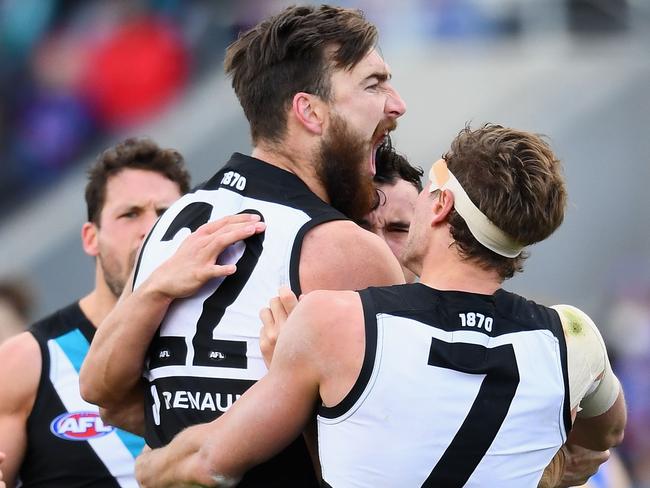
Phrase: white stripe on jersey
(109, 448)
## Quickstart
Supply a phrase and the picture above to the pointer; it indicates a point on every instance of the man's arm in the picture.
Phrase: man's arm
(595, 392)
(572, 465)
(246, 435)
(602, 431)
(111, 373)
(597, 404)
(19, 376)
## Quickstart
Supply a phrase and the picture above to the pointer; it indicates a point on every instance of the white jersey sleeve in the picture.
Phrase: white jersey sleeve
(593, 388)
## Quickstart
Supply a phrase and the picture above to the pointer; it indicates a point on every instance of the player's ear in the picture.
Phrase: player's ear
(309, 110)
(443, 202)
(89, 238)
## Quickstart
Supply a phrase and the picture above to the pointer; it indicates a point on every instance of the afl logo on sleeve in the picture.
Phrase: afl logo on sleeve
(79, 426)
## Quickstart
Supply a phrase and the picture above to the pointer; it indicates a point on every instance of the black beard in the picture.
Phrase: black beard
(342, 168)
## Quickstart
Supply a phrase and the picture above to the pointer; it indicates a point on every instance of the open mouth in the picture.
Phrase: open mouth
(373, 153)
(378, 138)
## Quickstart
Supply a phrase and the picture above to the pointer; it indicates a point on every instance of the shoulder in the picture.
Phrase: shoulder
(19, 349)
(325, 323)
(335, 303)
(579, 328)
(342, 255)
(58, 322)
(321, 313)
(20, 372)
(586, 351)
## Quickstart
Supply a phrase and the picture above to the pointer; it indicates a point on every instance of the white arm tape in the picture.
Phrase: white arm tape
(603, 396)
(593, 387)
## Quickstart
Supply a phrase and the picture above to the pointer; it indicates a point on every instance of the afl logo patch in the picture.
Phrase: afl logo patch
(79, 426)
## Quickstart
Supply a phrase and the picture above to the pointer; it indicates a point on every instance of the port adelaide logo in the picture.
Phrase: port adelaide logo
(79, 426)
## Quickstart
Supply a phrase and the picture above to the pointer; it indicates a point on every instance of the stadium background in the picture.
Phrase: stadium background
(77, 76)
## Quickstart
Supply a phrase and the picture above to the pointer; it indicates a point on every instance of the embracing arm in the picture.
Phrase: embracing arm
(219, 453)
(597, 399)
(19, 376)
(604, 430)
(336, 255)
(595, 392)
(111, 373)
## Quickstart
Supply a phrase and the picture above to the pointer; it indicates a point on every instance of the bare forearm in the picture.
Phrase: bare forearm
(113, 367)
(130, 415)
(183, 463)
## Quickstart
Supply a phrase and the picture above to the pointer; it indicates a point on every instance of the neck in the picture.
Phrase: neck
(298, 161)
(446, 270)
(98, 303)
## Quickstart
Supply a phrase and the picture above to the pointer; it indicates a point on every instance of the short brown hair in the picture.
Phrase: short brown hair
(289, 53)
(516, 180)
(133, 153)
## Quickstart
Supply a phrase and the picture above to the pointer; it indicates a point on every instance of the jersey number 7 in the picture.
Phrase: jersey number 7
(487, 413)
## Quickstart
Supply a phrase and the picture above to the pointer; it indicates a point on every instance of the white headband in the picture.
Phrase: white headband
(479, 225)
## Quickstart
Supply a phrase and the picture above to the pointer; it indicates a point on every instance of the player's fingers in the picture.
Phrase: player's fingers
(215, 225)
(232, 233)
(268, 335)
(219, 270)
(267, 319)
(287, 298)
(278, 311)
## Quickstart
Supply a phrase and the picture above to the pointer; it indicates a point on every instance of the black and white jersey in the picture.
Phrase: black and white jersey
(206, 352)
(68, 445)
(456, 389)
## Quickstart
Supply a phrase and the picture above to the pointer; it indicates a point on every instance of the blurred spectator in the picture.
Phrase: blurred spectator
(628, 335)
(15, 307)
(140, 67)
(75, 72)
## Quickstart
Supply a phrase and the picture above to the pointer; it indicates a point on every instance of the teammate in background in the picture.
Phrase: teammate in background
(50, 436)
(318, 97)
(398, 184)
(468, 384)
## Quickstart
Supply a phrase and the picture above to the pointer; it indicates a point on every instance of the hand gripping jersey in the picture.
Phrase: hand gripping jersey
(206, 352)
(456, 389)
(68, 445)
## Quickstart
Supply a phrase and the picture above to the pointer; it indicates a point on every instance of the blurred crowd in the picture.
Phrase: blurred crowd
(73, 72)
(627, 334)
